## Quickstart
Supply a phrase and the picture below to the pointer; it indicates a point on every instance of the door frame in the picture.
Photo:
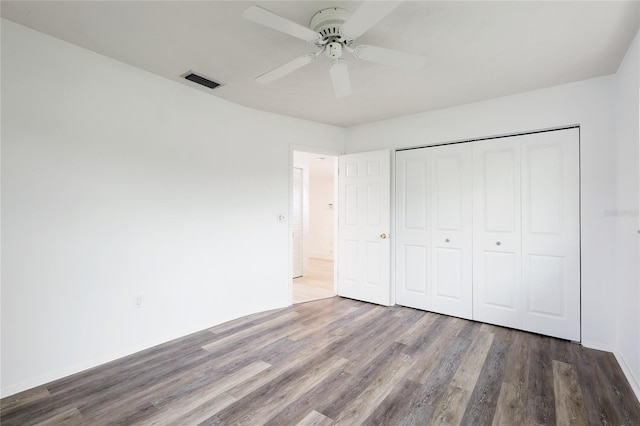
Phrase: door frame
(319, 151)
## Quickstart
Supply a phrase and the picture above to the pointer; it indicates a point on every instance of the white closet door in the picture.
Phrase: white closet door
(551, 233)
(413, 233)
(433, 229)
(364, 258)
(451, 230)
(497, 293)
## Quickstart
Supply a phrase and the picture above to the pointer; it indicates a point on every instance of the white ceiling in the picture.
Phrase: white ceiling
(476, 50)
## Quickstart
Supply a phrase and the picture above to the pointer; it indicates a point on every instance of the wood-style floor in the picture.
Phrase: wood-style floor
(339, 361)
(317, 283)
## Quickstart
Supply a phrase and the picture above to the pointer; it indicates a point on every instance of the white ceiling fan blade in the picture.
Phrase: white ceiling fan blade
(269, 19)
(287, 68)
(366, 16)
(340, 78)
(381, 55)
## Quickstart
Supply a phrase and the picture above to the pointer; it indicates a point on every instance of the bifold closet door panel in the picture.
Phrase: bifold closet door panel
(413, 250)
(434, 229)
(451, 230)
(497, 295)
(551, 233)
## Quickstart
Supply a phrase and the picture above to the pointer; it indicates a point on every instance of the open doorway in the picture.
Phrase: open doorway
(313, 226)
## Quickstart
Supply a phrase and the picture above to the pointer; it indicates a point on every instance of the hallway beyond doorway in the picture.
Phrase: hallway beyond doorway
(317, 284)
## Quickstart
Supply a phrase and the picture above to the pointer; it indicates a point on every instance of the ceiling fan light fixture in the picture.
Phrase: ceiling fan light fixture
(334, 50)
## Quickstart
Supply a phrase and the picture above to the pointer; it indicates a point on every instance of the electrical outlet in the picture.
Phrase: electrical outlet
(137, 302)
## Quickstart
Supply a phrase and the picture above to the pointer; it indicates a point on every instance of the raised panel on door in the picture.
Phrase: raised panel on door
(551, 233)
(451, 229)
(412, 233)
(497, 292)
(363, 227)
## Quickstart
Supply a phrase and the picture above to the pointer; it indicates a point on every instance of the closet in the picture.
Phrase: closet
(490, 230)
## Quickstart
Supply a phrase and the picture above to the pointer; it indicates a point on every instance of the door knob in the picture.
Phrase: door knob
(383, 236)
(446, 241)
(498, 243)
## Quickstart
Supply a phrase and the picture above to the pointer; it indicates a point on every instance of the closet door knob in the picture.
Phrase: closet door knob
(383, 236)
(498, 243)
(446, 241)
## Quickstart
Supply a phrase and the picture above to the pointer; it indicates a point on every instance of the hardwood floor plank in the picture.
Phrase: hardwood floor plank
(511, 408)
(484, 398)
(181, 402)
(199, 414)
(265, 402)
(517, 368)
(22, 399)
(541, 407)
(628, 405)
(363, 406)
(296, 411)
(416, 331)
(599, 406)
(451, 407)
(512, 401)
(69, 417)
(315, 419)
(360, 380)
(394, 404)
(469, 369)
(570, 408)
(320, 322)
(228, 341)
(432, 352)
(418, 406)
(340, 361)
(328, 345)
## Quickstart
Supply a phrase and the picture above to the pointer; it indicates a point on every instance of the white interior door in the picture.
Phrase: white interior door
(551, 233)
(497, 287)
(296, 224)
(363, 226)
(413, 229)
(451, 230)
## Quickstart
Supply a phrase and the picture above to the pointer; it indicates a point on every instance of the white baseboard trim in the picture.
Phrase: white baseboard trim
(622, 362)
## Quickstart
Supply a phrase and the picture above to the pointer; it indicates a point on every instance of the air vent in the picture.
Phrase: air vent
(203, 81)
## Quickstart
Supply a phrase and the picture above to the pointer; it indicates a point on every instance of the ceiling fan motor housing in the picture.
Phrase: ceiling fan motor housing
(327, 23)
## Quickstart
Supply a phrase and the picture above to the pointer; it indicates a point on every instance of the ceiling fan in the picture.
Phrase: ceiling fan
(333, 31)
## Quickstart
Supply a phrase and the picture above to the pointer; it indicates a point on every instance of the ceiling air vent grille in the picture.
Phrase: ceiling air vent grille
(203, 81)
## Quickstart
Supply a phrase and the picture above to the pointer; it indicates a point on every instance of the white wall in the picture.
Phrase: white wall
(117, 182)
(625, 213)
